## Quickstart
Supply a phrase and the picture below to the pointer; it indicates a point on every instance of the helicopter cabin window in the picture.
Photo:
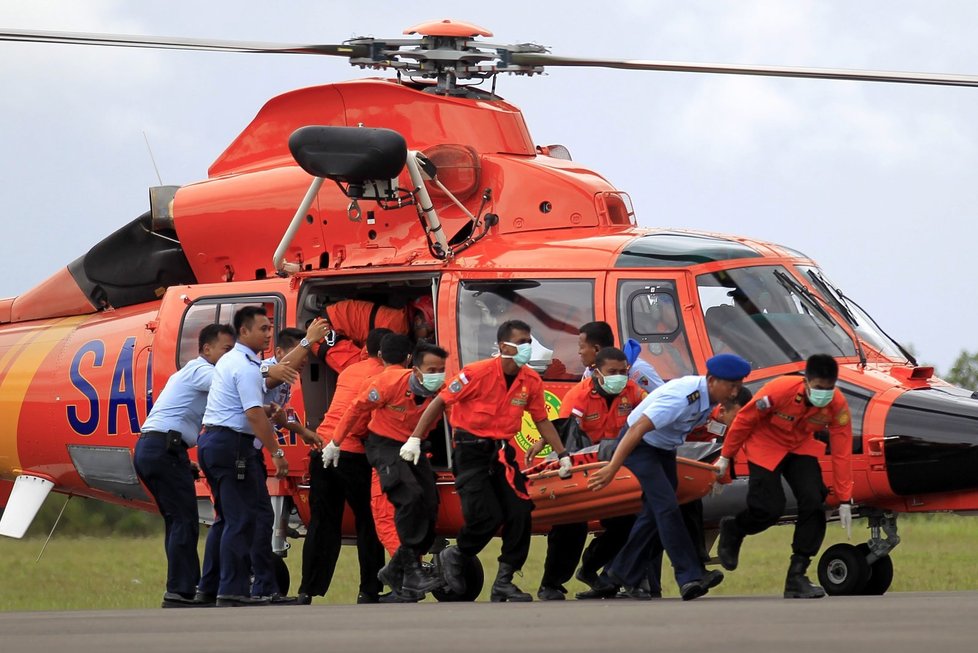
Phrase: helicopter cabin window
(555, 309)
(649, 314)
(765, 315)
(220, 310)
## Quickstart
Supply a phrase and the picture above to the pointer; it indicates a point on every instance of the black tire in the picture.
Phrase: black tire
(843, 570)
(475, 578)
(282, 576)
(880, 574)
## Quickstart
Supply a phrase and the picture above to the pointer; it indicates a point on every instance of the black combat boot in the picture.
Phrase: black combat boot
(503, 588)
(797, 585)
(452, 563)
(392, 574)
(728, 548)
(418, 580)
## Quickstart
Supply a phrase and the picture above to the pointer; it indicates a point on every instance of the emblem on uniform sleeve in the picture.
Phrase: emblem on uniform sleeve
(843, 418)
(373, 395)
(456, 386)
(764, 403)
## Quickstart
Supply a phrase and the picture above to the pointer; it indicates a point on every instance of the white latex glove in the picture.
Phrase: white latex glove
(564, 467)
(331, 455)
(411, 450)
(722, 466)
(716, 490)
(845, 518)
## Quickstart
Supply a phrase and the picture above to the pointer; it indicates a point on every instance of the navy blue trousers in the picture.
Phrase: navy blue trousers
(227, 555)
(262, 556)
(168, 477)
(655, 470)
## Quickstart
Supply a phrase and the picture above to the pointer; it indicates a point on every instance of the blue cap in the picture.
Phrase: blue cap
(728, 367)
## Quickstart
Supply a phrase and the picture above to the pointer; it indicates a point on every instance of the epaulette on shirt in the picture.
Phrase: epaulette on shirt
(693, 397)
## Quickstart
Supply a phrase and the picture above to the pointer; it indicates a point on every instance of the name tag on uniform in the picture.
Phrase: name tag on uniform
(716, 428)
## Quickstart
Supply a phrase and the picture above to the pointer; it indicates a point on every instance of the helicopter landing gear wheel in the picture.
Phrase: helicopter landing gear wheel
(880, 573)
(282, 576)
(475, 578)
(843, 570)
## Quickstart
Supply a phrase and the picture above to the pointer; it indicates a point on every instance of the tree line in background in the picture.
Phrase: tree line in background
(90, 517)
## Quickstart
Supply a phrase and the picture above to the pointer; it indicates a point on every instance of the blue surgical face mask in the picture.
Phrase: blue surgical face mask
(433, 381)
(614, 383)
(820, 398)
(522, 355)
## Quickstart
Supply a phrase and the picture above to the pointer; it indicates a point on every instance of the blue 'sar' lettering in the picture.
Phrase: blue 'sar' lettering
(85, 426)
(123, 394)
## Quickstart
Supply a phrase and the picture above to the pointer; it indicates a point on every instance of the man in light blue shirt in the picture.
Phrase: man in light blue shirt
(162, 463)
(657, 426)
(234, 417)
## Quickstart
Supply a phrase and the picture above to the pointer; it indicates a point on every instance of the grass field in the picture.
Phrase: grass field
(937, 553)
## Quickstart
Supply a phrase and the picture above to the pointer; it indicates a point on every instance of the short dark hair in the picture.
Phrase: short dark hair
(743, 397)
(822, 366)
(395, 348)
(374, 338)
(598, 334)
(424, 348)
(210, 333)
(609, 354)
(505, 330)
(244, 317)
(290, 337)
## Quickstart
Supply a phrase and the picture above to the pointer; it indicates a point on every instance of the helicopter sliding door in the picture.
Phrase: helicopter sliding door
(650, 311)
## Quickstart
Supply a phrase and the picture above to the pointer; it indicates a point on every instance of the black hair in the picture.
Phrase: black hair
(598, 334)
(822, 366)
(210, 333)
(290, 337)
(374, 338)
(427, 348)
(395, 348)
(609, 354)
(505, 330)
(245, 316)
(743, 397)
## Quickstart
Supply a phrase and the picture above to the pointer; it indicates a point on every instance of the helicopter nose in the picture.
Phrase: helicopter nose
(931, 441)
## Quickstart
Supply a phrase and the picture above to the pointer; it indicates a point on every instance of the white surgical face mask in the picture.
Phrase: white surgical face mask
(433, 381)
(523, 352)
(820, 398)
(613, 384)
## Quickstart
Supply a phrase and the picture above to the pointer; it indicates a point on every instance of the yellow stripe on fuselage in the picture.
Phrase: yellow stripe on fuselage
(18, 367)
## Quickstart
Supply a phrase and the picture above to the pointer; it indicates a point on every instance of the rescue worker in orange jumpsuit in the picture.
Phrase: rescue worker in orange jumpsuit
(332, 486)
(393, 401)
(600, 405)
(351, 320)
(777, 431)
(489, 398)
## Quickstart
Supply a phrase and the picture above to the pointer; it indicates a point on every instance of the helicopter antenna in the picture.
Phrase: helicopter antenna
(152, 158)
(54, 526)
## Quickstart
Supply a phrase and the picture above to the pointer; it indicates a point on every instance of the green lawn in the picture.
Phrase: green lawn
(80, 572)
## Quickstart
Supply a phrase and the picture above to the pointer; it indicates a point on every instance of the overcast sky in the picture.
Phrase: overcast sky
(876, 182)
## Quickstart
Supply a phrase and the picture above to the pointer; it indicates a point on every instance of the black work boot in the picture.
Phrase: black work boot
(728, 548)
(420, 580)
(797, 585)
(503, 588)
(452, 562)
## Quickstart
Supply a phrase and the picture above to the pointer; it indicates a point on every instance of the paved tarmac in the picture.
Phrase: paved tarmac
(918, 622)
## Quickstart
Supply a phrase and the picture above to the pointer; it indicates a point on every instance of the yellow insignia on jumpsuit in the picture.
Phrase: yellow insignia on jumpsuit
(843, 418)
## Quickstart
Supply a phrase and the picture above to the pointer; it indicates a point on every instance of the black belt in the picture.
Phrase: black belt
(225, 428)
(464, 437)
(160, 434)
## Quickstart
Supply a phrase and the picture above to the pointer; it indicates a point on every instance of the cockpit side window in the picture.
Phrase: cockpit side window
(220, 310)
(555, 309)
(648, 312)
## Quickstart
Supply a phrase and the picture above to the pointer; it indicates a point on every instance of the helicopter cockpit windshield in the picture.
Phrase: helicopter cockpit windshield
(768, 317)
(866, 327)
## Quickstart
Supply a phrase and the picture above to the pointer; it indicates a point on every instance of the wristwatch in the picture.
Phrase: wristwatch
(264, 370)
(305, 343)
(278, 453)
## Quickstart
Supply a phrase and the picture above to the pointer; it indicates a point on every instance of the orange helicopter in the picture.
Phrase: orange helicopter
(437, 189)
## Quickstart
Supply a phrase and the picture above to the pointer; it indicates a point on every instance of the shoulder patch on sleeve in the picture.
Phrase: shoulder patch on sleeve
(373, 395)
(843, 418)
(464, 379)
(763, 403)
(455, 386)
(693, 397)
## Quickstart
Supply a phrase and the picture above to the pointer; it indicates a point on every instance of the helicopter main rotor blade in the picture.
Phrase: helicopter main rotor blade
(169, 43)
(938, 79)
